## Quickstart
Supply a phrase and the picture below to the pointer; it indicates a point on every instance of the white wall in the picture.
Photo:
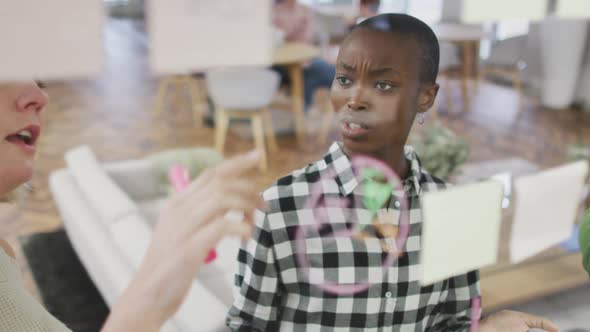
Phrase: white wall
(583, 93)
(533, 74)
(451, 11)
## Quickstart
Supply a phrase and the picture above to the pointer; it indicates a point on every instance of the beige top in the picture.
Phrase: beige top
(19, 311)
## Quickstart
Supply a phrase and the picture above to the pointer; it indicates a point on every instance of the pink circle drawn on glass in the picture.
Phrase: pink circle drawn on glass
(313, 203)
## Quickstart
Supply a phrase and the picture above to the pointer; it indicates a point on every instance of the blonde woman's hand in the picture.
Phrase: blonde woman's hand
(188, 228)
(514, 321)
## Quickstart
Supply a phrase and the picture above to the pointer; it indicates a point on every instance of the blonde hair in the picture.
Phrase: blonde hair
(12, 196)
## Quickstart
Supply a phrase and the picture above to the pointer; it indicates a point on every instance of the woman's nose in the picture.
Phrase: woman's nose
(356, 101)
(31, 97)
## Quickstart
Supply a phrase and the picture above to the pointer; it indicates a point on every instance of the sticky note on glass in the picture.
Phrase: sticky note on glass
(546, 205)
(475, 11)
(193, 35)
(573, 8)
(54, 39)
(460, 231)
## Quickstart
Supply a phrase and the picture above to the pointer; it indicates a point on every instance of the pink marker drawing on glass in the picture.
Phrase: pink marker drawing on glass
(377, 183)
(179, 178)
(475, 314)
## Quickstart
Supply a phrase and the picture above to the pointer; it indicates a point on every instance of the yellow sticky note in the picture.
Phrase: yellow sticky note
(461, 229)
(193, 35)
(573, 8)
(476, 11)
(545, 210)
(54, 39)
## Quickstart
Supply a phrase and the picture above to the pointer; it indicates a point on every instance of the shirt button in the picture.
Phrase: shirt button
(388, 294)
(396, 204)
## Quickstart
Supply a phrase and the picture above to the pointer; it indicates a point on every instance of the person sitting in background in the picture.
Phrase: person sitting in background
(296, 21)
(367, 9)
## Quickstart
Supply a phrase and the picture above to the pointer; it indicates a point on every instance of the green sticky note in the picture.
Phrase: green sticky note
(376, 194)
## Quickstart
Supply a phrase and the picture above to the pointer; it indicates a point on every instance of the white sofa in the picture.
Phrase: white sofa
(108, 212)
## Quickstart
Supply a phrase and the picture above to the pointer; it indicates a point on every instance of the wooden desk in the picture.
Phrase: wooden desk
(292, 56)
(468, 38)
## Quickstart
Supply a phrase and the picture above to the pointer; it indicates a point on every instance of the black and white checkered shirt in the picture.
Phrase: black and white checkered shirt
(273, 294)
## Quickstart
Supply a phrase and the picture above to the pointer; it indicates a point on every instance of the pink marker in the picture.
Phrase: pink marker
(475, 314)
(178, 176)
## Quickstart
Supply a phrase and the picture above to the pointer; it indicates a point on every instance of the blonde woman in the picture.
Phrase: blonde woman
(183, 235)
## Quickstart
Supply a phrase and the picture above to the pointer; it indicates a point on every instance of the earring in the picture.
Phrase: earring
(420, 118)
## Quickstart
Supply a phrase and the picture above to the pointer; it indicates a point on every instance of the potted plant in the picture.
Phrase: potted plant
(440, 150)
(576, 152)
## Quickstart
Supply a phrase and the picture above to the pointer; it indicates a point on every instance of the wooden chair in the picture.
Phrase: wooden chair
(449, 59)
(244, 94)
(505, 61)
(196, 90)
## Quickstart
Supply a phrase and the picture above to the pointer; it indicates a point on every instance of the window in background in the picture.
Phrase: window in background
(393, 6)
(511, 28)
(429, 11)
(333, 7)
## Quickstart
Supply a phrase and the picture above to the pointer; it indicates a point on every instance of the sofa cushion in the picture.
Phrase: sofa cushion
(106, 198)
(195, 160)
(150, 208)
(136, 177)
(132, 234)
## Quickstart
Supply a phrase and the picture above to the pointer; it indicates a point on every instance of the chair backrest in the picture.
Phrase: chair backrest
(328, 26)
(448, 56)
(508, 52)
(242, 89)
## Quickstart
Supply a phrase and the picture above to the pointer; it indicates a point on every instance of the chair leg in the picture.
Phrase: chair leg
(468, 58)
(258, 131)
(481, 73)
(178, 82)
(161, 97)
(269, 131)
(448, 93)
(221, 127)
(196, 101)
(326, 124)
(518, 88)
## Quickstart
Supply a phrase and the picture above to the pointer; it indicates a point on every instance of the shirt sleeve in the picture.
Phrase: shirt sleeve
(454, 312)
(307, 28)
(256, 291)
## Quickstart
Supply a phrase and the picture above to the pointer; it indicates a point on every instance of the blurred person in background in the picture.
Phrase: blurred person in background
(367, 9)
(296, 22)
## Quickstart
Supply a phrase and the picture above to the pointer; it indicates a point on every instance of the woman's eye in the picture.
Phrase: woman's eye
(41, 84)
(344, 81)
(383, 86)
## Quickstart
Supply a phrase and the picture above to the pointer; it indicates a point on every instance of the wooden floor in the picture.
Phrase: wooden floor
(112, 114)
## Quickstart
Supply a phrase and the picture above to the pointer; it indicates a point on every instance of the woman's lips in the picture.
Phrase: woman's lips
(26, 138)
(351, 129)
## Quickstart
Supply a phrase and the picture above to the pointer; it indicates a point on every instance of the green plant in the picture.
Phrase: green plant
(440, 150)
(578, 151)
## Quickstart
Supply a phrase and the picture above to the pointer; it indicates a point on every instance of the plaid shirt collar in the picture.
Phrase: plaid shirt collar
(347, 181)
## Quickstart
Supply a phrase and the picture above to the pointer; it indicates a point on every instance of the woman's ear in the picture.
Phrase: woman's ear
(427, 96)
